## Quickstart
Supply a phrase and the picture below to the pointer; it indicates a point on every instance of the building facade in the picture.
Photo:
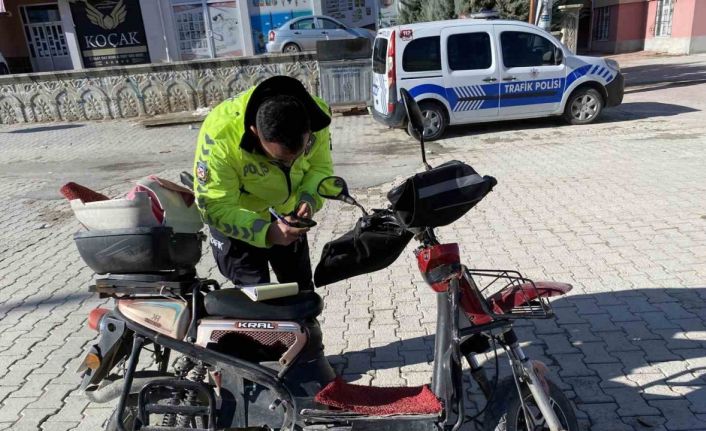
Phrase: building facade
(669, 26)
(52, 35)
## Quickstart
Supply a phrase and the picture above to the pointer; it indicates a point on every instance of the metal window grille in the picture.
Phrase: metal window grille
(663, 24)
(602, 23)
(192, 31)
(45, 36)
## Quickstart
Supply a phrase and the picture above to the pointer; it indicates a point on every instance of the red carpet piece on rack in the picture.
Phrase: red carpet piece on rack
(379, 401)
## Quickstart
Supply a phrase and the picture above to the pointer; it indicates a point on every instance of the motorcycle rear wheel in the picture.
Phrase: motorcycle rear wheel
(504, 413)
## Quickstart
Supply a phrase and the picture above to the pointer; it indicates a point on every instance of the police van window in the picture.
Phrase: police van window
(379, 55)
(422, 54)
(469, 51)
(526, 49)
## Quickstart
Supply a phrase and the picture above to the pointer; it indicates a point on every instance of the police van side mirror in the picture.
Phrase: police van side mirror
(558, 56)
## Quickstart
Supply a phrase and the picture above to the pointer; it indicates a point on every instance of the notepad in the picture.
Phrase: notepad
(263, 292)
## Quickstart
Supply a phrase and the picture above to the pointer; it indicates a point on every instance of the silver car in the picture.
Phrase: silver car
(301, 34)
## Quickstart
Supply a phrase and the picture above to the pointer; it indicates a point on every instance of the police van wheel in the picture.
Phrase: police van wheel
(584, 106)
(435, 121)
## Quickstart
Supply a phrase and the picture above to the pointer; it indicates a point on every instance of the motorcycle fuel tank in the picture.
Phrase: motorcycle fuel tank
(167, 316)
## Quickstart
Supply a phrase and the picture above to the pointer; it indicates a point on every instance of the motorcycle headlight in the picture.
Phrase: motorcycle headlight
(613, 64)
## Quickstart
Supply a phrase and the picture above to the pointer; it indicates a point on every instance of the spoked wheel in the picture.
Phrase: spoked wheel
(584, 106)
(504, 413)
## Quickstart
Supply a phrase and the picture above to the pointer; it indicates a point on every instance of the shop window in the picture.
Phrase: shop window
(207, 28)
(601, 24)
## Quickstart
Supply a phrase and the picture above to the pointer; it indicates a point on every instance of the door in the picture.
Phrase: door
(471, 72)
(532, 84)
(306, 34)
(380, 82)
(45, 38)
(332, 30)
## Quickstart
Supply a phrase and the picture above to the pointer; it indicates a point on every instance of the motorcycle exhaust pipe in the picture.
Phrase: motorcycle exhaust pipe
(112, 390)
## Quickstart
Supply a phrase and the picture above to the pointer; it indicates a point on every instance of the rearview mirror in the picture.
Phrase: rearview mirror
(414, 114)
(336, 188)
(333, 188)
(416, 120)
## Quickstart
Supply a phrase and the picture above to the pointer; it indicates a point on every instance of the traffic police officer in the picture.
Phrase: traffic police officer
(266, 148)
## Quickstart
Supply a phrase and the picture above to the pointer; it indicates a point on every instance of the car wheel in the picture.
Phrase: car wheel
(584, 106)
(435, 121)
(291, 48)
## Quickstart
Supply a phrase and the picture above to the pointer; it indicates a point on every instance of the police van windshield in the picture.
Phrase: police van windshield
(379, 54)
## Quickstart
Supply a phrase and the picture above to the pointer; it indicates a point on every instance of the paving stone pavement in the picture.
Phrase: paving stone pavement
(616, 208)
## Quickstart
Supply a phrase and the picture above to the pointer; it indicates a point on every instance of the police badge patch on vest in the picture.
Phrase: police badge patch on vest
(202, 172)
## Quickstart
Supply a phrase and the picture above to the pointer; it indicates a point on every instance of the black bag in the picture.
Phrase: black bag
(439, 196)
(376, 241)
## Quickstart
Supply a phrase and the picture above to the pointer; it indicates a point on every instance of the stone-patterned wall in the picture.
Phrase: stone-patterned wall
(138, 91)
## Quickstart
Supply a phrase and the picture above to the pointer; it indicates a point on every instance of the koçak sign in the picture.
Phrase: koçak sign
(110, 32)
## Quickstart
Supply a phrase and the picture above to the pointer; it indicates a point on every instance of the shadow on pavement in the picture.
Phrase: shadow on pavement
(642, 110)
(46, 128)
(653, 73)
(638, 356)
(624, 112)
(663, 86)
(43, 302)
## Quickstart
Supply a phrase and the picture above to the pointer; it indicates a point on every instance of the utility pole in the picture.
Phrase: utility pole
(532, 11)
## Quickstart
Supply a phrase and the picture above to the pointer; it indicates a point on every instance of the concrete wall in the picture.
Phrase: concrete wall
(631, 27)
(144, 90)
(627, 27)
(698, 38)
(688, 29)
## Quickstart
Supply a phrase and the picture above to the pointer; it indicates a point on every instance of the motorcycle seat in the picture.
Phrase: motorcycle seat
(235, 304)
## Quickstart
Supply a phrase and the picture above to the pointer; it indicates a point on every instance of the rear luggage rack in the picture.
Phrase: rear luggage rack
(147, 285)
(118, 285)
(509, 295)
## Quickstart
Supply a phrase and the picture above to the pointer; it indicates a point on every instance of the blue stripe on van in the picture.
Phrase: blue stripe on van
(490, 96)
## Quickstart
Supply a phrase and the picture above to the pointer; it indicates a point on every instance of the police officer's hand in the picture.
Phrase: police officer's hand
(304, 210)
(281, 234)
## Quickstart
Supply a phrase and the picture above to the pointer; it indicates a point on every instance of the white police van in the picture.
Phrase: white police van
(470, 71)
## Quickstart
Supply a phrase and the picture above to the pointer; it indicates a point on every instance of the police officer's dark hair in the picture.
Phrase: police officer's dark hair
(284, 120)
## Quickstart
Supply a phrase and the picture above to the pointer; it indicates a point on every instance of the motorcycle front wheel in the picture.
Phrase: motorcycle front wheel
(504, 413)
